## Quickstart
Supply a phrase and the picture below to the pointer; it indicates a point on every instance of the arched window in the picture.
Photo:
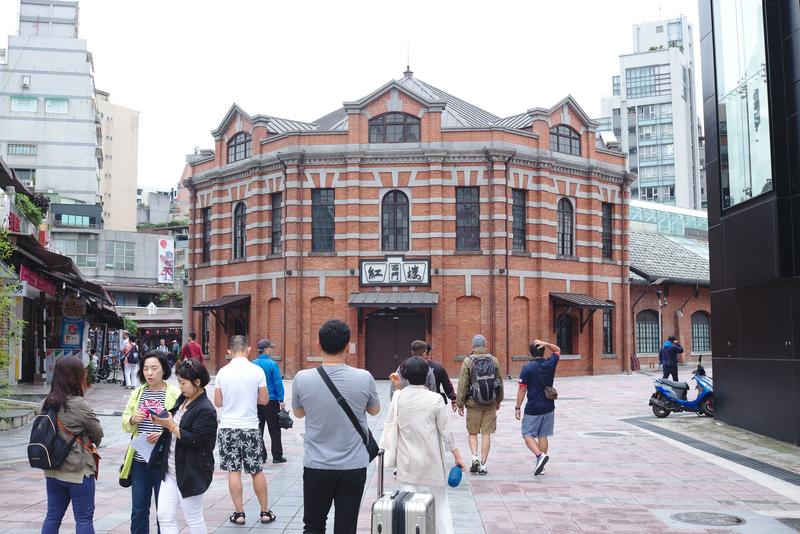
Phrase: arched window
(239, 147)
(564, 333)
(394, 221)
(394, 128)
(647, 341)
(565, 139)
(239, 230)
(701, 332)
(565, 228)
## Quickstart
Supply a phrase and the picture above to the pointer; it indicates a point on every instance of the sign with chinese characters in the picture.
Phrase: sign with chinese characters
(395, 271)
(37, 281)
(166, 260)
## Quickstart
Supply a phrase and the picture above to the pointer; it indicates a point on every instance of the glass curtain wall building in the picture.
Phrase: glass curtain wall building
(751, 100)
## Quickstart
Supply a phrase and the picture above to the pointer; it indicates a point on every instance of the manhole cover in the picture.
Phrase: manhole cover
(605, 434)
(709, 519)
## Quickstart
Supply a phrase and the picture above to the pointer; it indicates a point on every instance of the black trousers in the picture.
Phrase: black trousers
(269, 415)
(671, 370)
(342, 488)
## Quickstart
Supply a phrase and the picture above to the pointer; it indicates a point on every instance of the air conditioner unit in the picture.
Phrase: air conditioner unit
(29, 183)
(25, 82)
(3, 56)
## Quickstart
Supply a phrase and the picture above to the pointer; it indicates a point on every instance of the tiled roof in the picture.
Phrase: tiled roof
(278, 126)
(656, 256)
(523, 120)
(335, 120)
(581, 300)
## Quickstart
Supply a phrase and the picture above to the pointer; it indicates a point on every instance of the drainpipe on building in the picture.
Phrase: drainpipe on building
(300, 176)
(192, 264)
(508, 320)
(285, 266)
(490, 168)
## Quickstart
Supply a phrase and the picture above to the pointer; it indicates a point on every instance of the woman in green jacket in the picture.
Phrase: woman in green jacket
(74, 480)
(154, 394)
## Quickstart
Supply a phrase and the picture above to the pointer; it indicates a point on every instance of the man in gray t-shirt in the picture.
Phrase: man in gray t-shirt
(335, 460)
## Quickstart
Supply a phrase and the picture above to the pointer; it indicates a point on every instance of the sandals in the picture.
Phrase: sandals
(267, 517)
(235, 517)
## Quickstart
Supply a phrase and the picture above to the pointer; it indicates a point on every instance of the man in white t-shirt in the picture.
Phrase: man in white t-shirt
(238, 393)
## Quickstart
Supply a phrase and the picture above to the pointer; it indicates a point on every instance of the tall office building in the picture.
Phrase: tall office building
(120, 142)
(652, 113)
(49, 127)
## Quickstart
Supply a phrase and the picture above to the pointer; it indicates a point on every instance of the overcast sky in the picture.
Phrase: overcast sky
(182, 63)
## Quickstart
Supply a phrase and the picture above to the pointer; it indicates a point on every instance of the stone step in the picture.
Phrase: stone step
(10, 419)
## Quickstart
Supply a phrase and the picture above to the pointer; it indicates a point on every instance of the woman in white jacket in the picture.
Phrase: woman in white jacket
(421, 432)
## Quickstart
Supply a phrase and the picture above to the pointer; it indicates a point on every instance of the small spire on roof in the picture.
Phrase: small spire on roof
(408, 73)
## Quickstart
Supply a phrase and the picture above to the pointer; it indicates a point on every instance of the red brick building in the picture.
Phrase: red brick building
(410, 213)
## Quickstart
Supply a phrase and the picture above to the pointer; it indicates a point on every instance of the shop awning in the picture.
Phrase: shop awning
(222, 303)
(410, 299)
(580, 301)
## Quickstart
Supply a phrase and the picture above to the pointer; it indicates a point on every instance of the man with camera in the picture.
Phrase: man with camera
(536, 381)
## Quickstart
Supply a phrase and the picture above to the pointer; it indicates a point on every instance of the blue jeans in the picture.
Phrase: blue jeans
(59, 495)
(144, 482)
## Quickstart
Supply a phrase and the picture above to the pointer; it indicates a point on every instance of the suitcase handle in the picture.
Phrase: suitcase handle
(380, 473)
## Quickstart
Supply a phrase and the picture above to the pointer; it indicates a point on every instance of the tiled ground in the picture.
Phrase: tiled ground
(625, 481)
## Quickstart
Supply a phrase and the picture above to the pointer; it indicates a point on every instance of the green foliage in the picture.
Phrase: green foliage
(8, 315)
(28, 208)
(130, 325)
(170, 224)
(171, 295)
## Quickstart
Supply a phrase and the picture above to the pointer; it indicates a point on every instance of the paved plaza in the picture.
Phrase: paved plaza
(607, 473)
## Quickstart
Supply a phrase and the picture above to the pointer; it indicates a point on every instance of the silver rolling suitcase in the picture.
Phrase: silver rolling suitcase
(402, 512)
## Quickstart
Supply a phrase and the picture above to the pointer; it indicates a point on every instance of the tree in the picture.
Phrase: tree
(130, 325)
(10, 326)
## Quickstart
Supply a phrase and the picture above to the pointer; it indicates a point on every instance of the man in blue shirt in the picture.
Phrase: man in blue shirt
(668, 356)
(269, 414)
(539, 418)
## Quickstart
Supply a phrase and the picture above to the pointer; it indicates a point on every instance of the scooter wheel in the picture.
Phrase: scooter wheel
(660, 412)
(707, 406)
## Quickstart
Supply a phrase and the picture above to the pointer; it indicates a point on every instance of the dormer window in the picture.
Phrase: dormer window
(239, 147)
(394, 128)
(565, 139)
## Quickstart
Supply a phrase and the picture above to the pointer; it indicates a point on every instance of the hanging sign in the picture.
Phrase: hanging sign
(71, 332)
(37, 281)
(74, 307)
(166, 260)
(395, 271)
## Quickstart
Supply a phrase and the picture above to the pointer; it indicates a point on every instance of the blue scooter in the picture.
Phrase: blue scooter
(670, 396)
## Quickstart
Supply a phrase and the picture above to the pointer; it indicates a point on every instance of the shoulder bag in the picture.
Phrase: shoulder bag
(368, 439)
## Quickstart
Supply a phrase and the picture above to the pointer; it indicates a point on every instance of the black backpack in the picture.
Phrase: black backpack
(133, 354)
(484, 383)
(46, 449)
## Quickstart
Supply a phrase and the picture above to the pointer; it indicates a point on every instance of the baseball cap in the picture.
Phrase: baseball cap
(265, 343)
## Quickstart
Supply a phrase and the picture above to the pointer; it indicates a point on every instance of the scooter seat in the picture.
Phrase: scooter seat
(673, 384)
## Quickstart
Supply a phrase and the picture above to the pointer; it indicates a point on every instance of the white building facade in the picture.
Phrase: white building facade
(118, 178)
(49, 127)
(652, 113)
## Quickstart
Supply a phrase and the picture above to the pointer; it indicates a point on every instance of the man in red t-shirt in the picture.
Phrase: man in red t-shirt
(192, 349)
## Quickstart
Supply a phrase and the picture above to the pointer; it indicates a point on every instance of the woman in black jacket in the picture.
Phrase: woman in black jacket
(185, 452)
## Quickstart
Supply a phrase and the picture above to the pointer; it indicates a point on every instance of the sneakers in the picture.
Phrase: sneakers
(476, 465)
(540, 462)
(482, 470)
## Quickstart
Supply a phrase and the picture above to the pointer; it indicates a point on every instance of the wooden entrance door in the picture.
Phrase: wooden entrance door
(389, 337)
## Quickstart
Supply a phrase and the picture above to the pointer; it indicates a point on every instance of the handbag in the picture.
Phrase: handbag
(285, 420)
(550, 392)
(368, 439)
(390, 435)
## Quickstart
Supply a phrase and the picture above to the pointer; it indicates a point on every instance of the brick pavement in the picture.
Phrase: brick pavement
(627, 480)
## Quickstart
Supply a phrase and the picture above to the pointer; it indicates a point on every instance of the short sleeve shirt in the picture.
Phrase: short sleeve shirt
(535, 376)
(331, 441)
(239, 385)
